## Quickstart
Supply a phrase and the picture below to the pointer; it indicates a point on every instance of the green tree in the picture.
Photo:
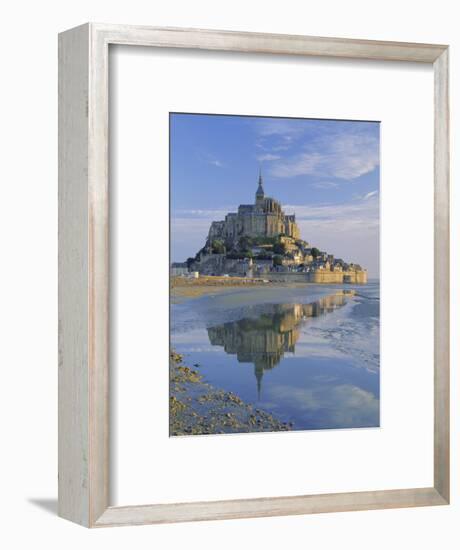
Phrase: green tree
(217, 247)
(277, 260)
(279, 248)
(315, 252)
(245, 243)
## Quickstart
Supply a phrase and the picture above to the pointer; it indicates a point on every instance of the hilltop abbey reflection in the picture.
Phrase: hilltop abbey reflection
(264, 340)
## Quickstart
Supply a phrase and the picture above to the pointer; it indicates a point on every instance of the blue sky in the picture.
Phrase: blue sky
(324, 171)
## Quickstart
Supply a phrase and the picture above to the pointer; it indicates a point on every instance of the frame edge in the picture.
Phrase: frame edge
(269, 43)
(73, 375)
(441, 277)
(268, 507)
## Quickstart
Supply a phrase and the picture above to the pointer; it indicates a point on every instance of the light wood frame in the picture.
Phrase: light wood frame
(84, 274)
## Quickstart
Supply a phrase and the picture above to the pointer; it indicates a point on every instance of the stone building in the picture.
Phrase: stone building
(260, 240)
(264, 218)
(179, 268)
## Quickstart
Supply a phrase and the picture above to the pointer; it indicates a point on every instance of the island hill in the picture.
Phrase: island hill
(261, 241)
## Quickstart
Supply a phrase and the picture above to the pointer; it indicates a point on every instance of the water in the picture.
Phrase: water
(308, 355)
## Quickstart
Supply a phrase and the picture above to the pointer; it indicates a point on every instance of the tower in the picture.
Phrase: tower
(260, 195)
(259, 372)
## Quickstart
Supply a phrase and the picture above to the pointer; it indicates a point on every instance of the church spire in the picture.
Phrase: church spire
(260, 189)
(259, 372)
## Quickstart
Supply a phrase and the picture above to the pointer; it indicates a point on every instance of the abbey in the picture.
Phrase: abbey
(260, 240)
(264, 218)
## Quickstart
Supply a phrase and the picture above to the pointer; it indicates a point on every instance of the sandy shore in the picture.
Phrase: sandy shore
(196, 407)
(183, 287)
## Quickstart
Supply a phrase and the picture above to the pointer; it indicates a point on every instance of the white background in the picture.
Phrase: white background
(29, 251)
(147, 84)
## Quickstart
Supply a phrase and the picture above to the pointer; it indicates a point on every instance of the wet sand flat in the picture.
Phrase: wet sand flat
(182, 287)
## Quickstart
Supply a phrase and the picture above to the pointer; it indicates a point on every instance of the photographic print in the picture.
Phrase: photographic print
(274, 274)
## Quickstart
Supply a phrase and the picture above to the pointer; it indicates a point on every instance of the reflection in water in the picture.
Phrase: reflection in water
(264, 340)
(316, 365)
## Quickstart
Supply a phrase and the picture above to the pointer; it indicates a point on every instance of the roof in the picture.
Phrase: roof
(246, 207)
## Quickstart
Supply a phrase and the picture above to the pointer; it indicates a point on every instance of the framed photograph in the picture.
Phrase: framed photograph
(254, 275)
(266, 293)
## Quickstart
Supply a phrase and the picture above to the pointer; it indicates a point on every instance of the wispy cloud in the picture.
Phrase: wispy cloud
(363, 213)
(349, 230)
(369, 195)
(285, 128)
(343, 156)
(325, 184)
(208, 157)
(274, 135)
(323, 149)
(267, 157)
(344, 404)
(215, 162)
(203, 213)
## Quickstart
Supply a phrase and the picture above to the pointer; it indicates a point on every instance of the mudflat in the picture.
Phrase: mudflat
(184, 287)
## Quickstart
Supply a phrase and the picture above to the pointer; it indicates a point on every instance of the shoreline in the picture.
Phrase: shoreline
(182, 288)
(198, 408)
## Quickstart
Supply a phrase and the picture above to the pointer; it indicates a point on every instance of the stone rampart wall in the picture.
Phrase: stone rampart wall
(319, 277)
